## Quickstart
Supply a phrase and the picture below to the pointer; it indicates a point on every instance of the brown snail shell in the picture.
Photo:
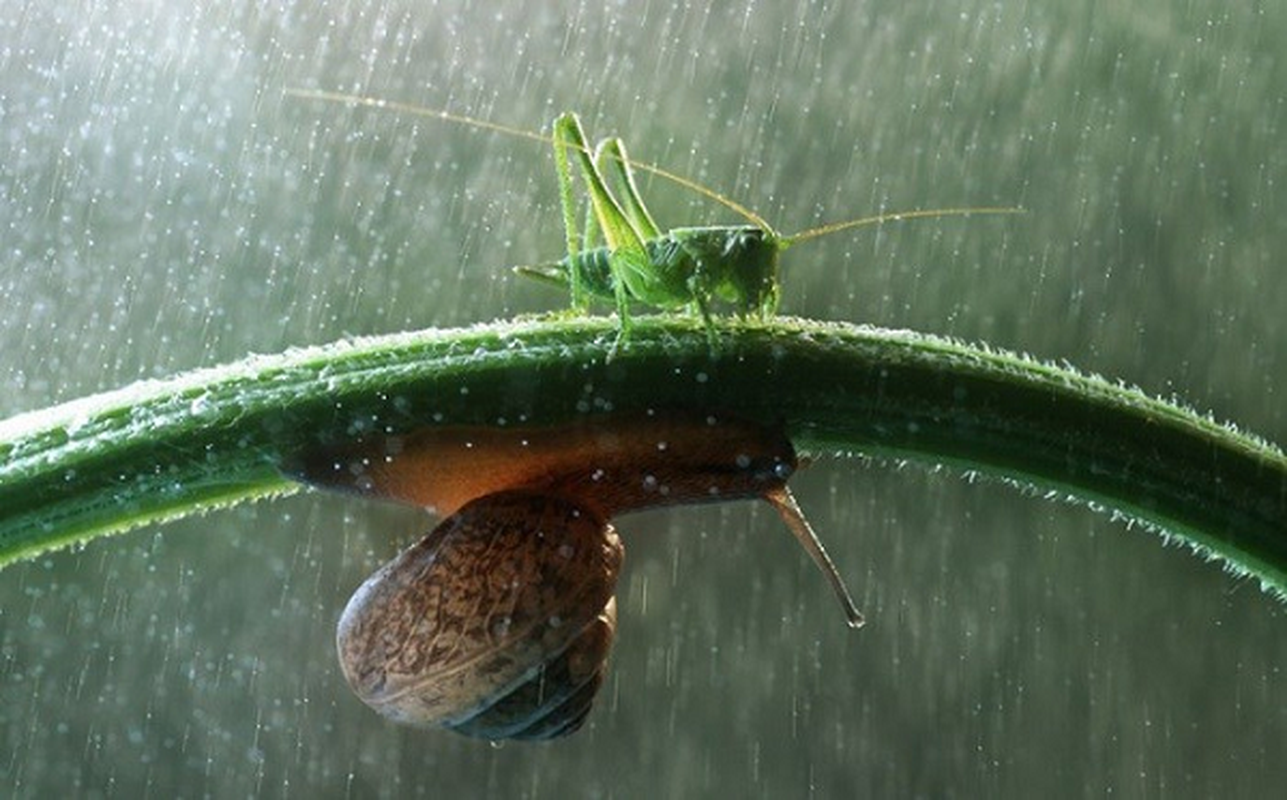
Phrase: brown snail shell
(497, 624)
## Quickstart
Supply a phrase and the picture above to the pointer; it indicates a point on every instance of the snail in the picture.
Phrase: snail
(449, 630)
(498, 624)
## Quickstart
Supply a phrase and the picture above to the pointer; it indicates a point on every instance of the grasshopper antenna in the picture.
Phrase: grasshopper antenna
(419, 111)
(755, 219)
(895, 216)
(496, 127)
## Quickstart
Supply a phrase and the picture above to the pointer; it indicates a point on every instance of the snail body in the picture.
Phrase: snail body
(615, 463)
(498, 624)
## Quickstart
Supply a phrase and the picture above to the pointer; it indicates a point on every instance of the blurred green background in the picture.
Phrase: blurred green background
(164, 207)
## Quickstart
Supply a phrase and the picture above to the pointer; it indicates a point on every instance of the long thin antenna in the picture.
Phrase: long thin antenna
(419, 111)
(729, 203)
(785, 503)
(894, 216)
(496, 127)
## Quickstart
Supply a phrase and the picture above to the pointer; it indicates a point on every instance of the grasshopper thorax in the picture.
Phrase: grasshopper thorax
(737, 264)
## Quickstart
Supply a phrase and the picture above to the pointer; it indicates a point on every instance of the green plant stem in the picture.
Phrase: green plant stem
(163, 449)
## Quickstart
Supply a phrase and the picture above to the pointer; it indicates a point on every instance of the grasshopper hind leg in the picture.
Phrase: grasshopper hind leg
(562, 141)
(628, 256)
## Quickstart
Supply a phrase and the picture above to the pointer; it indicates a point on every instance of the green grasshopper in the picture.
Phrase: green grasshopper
(683, 268)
